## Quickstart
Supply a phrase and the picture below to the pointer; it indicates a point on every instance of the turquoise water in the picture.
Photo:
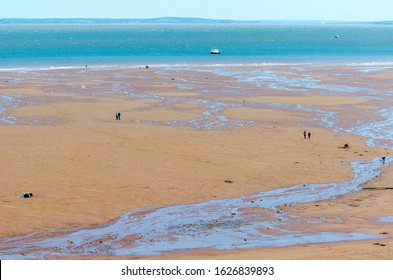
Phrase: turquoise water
(32, 45)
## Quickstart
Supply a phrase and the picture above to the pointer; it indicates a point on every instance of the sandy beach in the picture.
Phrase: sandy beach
(187, 136)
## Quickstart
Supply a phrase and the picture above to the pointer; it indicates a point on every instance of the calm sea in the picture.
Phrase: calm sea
(55, 45)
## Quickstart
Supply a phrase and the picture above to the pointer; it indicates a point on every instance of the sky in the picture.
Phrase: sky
(347, 10)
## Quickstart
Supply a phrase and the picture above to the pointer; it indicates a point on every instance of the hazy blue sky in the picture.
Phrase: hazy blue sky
(368, 10)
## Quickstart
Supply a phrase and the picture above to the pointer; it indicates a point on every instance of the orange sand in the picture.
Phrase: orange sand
(87, 168)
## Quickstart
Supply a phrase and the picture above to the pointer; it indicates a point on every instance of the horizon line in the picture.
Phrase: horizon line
(169, 18)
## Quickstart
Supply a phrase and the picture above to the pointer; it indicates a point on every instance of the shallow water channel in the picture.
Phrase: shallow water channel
(220, 224)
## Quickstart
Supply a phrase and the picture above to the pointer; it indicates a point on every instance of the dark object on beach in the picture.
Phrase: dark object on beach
(379, 244)
(378, 189)
(346, 146)
(118, 116)
(309, 135)
(228, 181)
(305, 134)
(26, 195)
(383, 159)
(147, 66)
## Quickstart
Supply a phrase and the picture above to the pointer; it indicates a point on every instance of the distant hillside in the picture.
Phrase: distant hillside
(152, 20)
(384, 22)
(169, 20)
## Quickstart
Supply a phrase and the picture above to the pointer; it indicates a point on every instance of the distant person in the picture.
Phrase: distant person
(383, 159)
(309, 135)
(305, 134)
(118, 116)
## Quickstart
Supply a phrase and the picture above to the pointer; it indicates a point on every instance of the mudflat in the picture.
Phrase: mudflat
(189, 136)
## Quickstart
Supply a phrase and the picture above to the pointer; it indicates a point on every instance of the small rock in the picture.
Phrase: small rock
(26, 195)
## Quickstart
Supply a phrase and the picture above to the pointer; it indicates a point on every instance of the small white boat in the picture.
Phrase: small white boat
(215, 51)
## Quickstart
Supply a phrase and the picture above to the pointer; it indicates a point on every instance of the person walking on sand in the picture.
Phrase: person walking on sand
(309, 135)
(305, 134)
(118, 116)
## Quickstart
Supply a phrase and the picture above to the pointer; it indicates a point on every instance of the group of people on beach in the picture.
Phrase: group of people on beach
(305, 134)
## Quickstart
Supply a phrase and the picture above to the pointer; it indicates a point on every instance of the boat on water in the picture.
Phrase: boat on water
(215, 51)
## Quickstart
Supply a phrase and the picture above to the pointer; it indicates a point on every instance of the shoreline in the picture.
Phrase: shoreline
(192, 65)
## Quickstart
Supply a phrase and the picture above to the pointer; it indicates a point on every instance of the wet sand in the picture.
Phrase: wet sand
(188, 136)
